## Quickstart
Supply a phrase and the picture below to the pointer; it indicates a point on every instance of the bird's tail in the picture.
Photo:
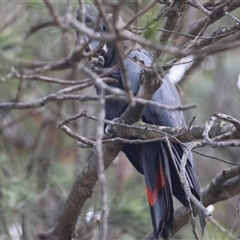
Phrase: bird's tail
(159, 190)
(192, 178)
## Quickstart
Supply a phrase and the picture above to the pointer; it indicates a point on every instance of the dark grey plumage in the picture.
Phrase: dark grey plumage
(153, 160)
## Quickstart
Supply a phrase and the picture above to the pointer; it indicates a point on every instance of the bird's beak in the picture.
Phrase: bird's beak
(96, 46)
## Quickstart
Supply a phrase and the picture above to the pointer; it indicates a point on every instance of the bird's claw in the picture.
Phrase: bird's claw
(96, 64)
(108, 128)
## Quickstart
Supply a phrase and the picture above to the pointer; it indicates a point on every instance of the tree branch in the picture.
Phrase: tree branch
(85, 182)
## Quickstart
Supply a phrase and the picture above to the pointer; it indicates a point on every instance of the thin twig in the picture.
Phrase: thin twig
(193, 198)
(101, 174)
(56, 17)
(213, 142)
(77, 137)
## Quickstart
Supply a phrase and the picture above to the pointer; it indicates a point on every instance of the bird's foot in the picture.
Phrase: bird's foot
(108, 128)
(150, 79)
(96, 64)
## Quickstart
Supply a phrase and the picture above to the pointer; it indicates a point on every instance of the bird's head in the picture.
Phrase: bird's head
(94, 22)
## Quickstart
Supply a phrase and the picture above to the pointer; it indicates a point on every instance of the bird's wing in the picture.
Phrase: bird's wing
(168, 95)
(152, 160)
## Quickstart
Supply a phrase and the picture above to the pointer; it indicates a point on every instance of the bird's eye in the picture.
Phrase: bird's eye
(88, 19)
(104, 28)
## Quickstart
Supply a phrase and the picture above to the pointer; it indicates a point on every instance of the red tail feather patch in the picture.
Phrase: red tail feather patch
(160, 182)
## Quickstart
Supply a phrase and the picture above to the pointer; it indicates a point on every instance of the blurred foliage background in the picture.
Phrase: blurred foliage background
(38, 162)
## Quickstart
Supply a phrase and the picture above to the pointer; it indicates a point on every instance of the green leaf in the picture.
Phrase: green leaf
(150, 30)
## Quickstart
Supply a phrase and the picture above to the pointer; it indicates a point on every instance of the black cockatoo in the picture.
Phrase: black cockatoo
(153, 160)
